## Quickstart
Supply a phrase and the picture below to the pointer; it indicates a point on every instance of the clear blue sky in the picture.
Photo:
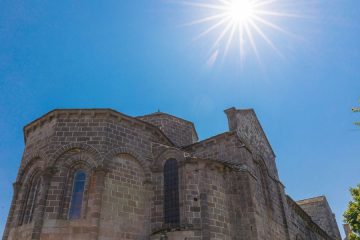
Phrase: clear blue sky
(137, 57)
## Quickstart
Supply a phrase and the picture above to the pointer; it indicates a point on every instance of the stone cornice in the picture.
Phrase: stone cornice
(107, 112)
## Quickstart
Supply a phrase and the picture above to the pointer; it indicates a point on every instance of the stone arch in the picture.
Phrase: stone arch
(34, 160)
(31, 179)
(33, 167)
(75, 146)
(36, 165)
(262, 163)
(31, 174)
(67, 160)
(124, 150)
(74, 157)
(159, 216)
(167, 154)
(67, 165)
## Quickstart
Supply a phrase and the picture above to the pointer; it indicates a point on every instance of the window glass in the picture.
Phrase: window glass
(171, 193)
(77, 195)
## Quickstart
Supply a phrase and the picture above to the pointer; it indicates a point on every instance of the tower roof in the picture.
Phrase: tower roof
(182, 132)
(158, 113)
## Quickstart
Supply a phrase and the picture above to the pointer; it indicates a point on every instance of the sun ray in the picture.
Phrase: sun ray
(247, 20)
(212, 28)
(231, 36)
(269, 24)
(267, 40)
(205, 5)
(226, 2)
(241, 42)
(252, 42)
(263, 3)
(221, 36)
(277, 14)
(206, 19)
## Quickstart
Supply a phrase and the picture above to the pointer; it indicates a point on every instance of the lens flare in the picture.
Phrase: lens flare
(239, 21)
(240, 11)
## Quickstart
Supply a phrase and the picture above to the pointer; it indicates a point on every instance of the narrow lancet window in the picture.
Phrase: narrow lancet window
(171, 193)
(77, 195)
(31, 201)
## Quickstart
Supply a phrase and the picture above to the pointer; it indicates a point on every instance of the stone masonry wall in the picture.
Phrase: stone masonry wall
(318, 209)
(247, 127)
(269, 201)
(228, 184)
(179, 131)
(269, 205)
(214, 204)
(63, 141)
(301, 226)
(125, 210)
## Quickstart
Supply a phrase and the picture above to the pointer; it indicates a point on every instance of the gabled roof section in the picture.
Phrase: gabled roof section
(92, 112)
(158, 113)
(206, 141)
(249, 129)
(312, 200)
(307, 218)
(172, 116)
(181, 132)
(319, 210)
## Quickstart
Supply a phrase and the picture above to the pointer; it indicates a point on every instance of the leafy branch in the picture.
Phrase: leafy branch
(352, 214)
(356, 109)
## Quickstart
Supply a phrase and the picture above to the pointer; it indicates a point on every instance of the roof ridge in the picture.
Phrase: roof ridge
(312, 199)
(167, 114)
(162, 113)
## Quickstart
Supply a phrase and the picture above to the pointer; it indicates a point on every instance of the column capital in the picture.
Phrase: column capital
(101, 169)
(49, 172)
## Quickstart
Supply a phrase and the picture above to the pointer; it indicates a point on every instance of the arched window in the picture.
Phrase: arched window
(77, 194)
(171, 193)
(30, 202)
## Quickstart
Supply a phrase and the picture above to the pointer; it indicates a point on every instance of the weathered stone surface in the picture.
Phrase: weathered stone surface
(228, 184)
(181, 132)
(319, 210)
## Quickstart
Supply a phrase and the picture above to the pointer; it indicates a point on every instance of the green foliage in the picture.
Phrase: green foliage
(353, 236)
(352, 214)
(356, 109)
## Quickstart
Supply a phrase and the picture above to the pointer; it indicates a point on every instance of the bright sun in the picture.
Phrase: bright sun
(240, 11)
(237, 20)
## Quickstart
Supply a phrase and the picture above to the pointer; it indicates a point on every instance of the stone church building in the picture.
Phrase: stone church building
(100, 174)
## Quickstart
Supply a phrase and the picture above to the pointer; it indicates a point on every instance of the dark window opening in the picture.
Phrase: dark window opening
(77, 195)
(31, 200)
(171, 193)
